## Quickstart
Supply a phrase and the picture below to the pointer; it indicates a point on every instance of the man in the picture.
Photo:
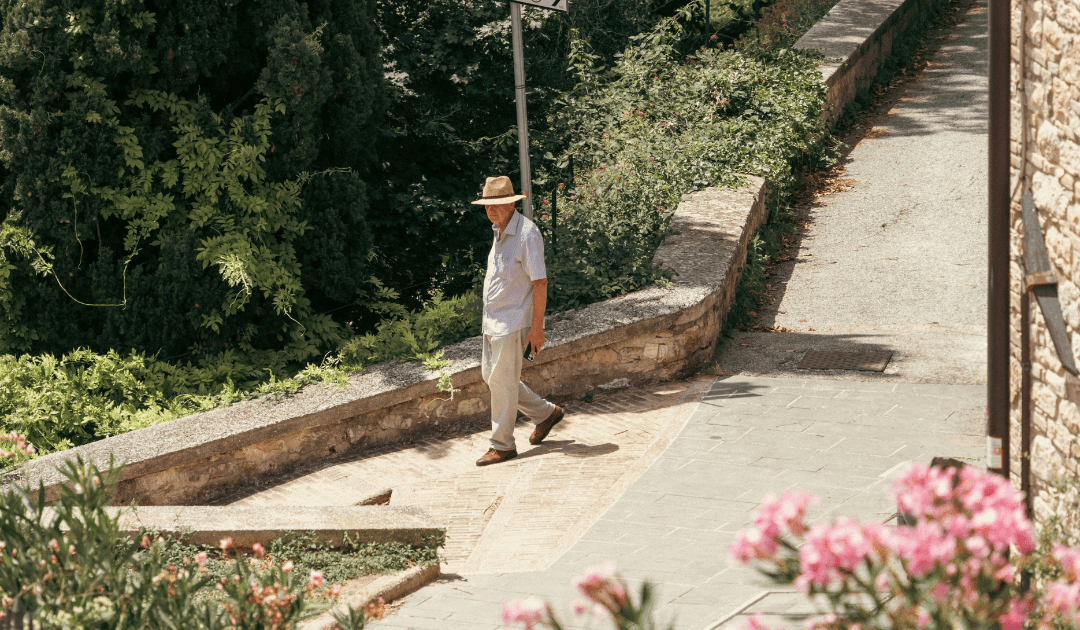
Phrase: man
(515, 296)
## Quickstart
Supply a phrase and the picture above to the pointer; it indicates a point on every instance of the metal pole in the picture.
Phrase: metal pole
(997, 377)
(554, 220)
(522, 116)
(708, 21)
(1025, 395)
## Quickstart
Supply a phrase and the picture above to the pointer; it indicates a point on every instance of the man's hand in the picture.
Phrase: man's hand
(536, 339)
(536, 335)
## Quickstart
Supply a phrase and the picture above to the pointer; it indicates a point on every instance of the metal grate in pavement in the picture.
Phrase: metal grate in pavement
(867, 361)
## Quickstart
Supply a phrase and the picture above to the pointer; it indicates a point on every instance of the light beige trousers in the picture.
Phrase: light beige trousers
(501, 369)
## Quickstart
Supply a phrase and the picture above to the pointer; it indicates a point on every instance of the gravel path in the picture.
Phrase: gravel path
(897, 261)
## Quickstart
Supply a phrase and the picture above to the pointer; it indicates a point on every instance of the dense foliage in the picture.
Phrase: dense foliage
(452, 122)
(71, 566)
(173, 173)
(225, 243)
(655, 126)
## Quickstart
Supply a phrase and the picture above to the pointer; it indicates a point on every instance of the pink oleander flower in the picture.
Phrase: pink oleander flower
(316, 579)
(595, 579)
(923, 548)
(833, 549)
(200, 558)
(601, 585)
(1063, 599)
(756, 622)
(529, 612)
(783, 514)
(1018, 612)
(226, 543)
(288, 566)
(258, 549)
(1069, 559)
(752, 543)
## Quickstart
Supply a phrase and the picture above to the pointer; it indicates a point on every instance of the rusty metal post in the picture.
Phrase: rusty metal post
(708, 21)
(1025, 397)
(997, 377)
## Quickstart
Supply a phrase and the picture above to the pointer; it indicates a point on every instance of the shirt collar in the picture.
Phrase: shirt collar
(511, 228)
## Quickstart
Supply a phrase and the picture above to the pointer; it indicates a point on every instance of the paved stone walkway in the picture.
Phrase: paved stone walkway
(895, 259)
(660, 479)
(842, 441)
(521, 515)
(892, 264)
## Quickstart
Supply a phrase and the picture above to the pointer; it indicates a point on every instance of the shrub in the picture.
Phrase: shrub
(654, 127)
(960, 565)
(70, 565)
(781, 25)
(157, 187)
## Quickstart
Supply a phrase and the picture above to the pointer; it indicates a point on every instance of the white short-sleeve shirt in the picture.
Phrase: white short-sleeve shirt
(515, 262)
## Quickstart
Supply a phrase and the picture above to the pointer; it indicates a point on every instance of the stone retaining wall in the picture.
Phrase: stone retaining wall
(653, 334)
(856, 37)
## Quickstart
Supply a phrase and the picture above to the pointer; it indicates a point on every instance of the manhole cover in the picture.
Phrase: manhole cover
(869, 361)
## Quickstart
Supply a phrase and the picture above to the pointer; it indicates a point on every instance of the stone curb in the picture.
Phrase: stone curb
(858, 35)
(208, 525)
(387, 588)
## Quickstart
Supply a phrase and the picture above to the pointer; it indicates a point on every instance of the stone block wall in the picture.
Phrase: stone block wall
(1045, 158)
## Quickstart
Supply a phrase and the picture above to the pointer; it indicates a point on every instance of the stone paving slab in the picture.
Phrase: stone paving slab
(674, 522)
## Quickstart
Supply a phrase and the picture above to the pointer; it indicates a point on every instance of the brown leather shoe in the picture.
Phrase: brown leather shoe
(496, 457)
(541, 431)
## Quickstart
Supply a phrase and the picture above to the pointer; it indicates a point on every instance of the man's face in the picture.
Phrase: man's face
(500, 214)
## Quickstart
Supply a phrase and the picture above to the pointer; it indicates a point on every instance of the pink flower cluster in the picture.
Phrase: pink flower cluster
(20, 446)
(601, 586)
(967, 522)
(529, 612)
(1063, 596)
(967, 503)
(777, 517)
(831, 550)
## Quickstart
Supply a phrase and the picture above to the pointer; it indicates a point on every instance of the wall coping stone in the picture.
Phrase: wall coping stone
(209, 524)
(702, 271)
(847, 33)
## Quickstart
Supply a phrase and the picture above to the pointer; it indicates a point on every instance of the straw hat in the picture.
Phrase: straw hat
(498, 190)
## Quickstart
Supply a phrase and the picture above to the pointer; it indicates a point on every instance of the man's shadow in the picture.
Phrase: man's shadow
(569, 448)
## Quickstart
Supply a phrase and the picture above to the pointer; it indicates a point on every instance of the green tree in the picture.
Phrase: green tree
(183, 175)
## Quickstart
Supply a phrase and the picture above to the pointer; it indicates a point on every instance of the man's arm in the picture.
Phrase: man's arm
(536, 335)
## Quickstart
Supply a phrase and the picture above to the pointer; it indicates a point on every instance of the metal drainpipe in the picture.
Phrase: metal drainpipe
(1025, 296)
(1025, 397)
(997, 426)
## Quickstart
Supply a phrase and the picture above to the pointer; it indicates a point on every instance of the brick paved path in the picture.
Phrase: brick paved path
(523, 514)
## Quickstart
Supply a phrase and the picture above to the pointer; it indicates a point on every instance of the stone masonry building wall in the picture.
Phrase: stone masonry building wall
(1045, 158)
